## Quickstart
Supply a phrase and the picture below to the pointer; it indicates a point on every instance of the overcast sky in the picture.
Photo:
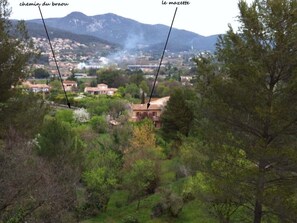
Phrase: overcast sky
(205, 17)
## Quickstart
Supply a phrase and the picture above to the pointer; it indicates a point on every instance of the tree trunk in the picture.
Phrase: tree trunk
(258, 209)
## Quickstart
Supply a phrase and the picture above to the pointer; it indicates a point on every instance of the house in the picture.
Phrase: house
(140, 111)
(69, 85)
(186, 80)
(36, 88)
(100, 89)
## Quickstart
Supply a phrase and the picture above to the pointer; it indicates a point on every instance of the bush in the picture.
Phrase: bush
(99, 124)
(130, 219)
(81, 115)
(158, 210)
(170, 204)
(64, 115)
(175, 205)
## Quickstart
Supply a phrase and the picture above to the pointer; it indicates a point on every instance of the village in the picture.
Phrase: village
(80, 70)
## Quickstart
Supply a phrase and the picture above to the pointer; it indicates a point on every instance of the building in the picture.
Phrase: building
(144, 68)
(69, 85)
(36, 88)
(80, 75)
(140, 111)
(101, 89)
(186, 80)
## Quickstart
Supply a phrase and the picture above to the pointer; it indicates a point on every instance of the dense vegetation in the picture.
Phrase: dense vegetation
(226, 151)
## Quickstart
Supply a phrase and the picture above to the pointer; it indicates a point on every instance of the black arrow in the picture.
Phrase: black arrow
(54, 56)
(161, 60)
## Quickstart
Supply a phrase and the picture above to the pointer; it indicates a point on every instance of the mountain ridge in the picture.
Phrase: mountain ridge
(129, 33)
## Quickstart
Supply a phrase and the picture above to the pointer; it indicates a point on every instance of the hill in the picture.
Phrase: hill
(129, 33)
(37, 30)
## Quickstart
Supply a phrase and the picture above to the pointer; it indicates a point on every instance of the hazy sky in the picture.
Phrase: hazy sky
(205, 17)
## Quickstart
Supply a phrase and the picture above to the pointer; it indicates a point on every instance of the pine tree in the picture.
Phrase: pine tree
(178, 115)
(248, 103)
(16, 50)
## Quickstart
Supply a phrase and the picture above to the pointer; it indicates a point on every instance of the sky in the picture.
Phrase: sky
(204, 17)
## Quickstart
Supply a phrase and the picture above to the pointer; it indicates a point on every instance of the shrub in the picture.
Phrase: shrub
(99, 124)
(130, 219)
(170, 204)
(81, 115)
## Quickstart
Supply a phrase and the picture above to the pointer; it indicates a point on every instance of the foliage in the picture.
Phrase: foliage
(65, 115)
(57, 139)
(17, 113)
(166, 88)
(122, 135)
(56, 88)
(100, 177)
(100, 182)
(81, 115)
(111, 77)
(139, 178)
(142, 144)
(15, 52)
(132, 90)
(130, 219)
(171, 204)
(144, 87)
(98, 158)
(178, 115)
(36, 188)
(247, 106)
(99, 124)
(136, 77)
(162, 90)
(140, 161)
(117, 107)
(41, 73)
(104, 105)
(32, 189)
(143, 135)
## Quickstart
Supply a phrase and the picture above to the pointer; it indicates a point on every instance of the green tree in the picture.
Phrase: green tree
(162, 90)
(220, 168)
(139, 155)
(65, 115)
(15, 52)
(56, 87)
(136, 77)
(247, 100)
(100, 183)
(144, 87)
(99, 124)
(111, 77)
(58, 140)
(101, 177)
(178, 115)
(139, 178)
(167, 87)
(41, 73)
(142, 144)
(133, 90)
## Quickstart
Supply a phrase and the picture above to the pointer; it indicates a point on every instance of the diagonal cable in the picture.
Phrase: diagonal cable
(161, 60)
(54, 56)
